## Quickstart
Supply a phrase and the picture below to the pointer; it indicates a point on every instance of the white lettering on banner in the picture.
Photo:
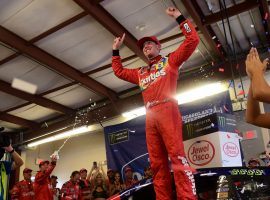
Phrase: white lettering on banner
(231, 149)
(197, 115)
(201, 153)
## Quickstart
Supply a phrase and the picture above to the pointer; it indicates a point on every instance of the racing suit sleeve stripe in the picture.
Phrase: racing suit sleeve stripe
(184, 51)
(130, 75)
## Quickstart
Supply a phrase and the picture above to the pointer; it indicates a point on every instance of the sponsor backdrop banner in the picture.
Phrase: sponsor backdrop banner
(126, 142)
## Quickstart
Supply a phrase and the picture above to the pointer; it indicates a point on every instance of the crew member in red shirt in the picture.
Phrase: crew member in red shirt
(42, 183)
(158, 83)
(24, 189)
(71, 189)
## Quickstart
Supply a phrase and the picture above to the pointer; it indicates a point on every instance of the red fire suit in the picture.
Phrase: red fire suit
(42, 184)
(158, 83)
(71, 191)
(23, 190)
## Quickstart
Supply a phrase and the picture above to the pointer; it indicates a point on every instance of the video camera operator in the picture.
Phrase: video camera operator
(10, 160)
(6, 147)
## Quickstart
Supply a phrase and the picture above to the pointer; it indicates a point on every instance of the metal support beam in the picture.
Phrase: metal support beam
(19, 121)
(191, 7)
(47, 103)
(112, 25)
(54, 63)
(234, 10)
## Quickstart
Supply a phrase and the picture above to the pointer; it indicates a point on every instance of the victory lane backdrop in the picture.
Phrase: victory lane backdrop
(126, 142)
(126, 146)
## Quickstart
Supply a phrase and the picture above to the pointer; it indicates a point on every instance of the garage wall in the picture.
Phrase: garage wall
(79, 152)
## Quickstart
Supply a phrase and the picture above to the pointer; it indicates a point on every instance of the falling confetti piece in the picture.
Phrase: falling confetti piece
(228, 136)
(218, 45)
(252, 25)
(266, 16)
(214, 37)
(213, 63)
(225, 108)
(241, 93)
(221, 69)
(239, 86)
(237, 131)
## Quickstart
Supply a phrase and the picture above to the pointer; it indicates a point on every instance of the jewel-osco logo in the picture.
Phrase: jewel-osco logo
(231, 149)
(201, 152)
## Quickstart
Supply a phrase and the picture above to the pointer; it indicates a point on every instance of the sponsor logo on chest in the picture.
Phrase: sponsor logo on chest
(150, 74)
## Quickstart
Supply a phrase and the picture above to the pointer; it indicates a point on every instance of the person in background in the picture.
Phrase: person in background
(259, 90)
(118, 185)
(148, 173)
(101, 184)
(71, 189)
(24, 189)
(42, 185)
(10, 160)
(129, 181)
(110, 174)
(85, 185)
(253, 163)
(55, 189)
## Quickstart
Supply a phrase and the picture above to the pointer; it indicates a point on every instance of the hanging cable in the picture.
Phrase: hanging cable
(228, 49)
(234, 50)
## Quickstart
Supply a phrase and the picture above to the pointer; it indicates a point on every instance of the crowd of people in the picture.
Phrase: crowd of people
(95, 185)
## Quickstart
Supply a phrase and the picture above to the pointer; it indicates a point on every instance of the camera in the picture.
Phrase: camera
(4, 140)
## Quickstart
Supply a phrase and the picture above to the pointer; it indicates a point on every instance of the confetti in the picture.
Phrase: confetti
(225, 108)
(221, 69)
(213, 63)
(218, 45)
(237, 131)
(228, 136)
(266, 16)
(241, 93)
(214, 37)
(252, 25)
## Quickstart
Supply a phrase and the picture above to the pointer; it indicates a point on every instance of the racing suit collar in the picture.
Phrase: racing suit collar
(155, 60)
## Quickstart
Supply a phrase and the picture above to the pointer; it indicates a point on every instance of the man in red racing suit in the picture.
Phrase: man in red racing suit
(24, 189)
(42, 185)
(158, 83)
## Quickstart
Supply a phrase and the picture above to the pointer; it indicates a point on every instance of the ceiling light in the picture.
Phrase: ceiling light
(200, 92)
(141, 27)
(63, 135)
(24, 86)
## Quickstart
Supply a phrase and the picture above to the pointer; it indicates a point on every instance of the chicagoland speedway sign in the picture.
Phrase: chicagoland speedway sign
(201, 152)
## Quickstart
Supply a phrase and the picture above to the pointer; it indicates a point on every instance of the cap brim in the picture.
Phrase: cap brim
(143, 40)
